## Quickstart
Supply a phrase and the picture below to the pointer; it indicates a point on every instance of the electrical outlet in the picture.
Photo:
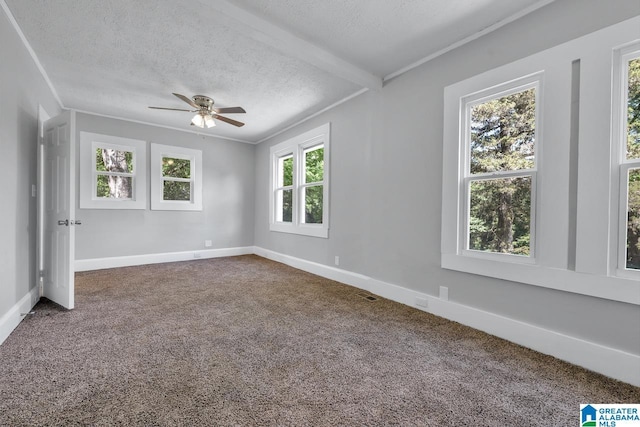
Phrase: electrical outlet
(444, 293)
(422, 302)
(207, 243)
(33, 190)
(196, 255)
(337, 260)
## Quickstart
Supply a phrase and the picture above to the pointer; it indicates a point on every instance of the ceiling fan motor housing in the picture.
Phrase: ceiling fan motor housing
(203, 102)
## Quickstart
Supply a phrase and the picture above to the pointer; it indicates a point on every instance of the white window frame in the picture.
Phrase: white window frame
(621, 165)
(466, 105)
(296, 147)
(577, 73)
(158, 152)
(89, 142)
(280, 187)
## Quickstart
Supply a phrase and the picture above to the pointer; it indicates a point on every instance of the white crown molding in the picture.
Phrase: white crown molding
(317, 113)
(16, 27)
(92, 113)
(468, 39)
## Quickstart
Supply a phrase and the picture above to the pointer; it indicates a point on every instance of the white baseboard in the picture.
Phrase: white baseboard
(127, 261)
(10, 320)
(608, 361)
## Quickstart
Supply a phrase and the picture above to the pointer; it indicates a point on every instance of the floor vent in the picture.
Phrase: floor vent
(368, 297)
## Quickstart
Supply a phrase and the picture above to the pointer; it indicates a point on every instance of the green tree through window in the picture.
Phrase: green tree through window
(502, 140)
(314, 175)
(299, 181)
(114, 169)
(176, 175)
(633, 152)
(286, 194)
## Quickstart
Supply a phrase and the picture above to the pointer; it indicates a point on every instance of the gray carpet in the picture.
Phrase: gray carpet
(244, 341)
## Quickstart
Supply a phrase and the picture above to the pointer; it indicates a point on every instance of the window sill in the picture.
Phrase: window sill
(175, 206)
(113, 204)
(607, 287)
(303, 229)
(492, 256)
(628, 274)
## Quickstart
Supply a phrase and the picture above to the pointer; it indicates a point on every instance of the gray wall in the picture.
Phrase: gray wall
(22, 88)
(228, 196)
(386, 183)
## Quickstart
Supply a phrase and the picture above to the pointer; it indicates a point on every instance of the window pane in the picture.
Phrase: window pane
(503, 133)
(313, 204)
(633, 110)
(176, 168)
(176, 190)
(285, 171)
(500, 215)
(314, 165)
(108, 160)
(114, 187)
(284, 205)
(633, 219)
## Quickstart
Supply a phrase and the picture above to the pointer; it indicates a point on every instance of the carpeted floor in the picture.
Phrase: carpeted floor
(250, 342)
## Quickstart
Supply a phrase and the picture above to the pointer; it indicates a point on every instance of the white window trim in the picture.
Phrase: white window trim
(597, 209)
(281, 156)
(529, 82)
(158, 151)
(620, 165)
(89, 142)
(296, 147)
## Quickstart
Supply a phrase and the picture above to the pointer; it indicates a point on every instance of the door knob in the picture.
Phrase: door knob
(65, 222)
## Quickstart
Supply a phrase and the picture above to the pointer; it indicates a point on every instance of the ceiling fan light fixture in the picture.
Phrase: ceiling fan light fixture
(205, 112)
(198, 120)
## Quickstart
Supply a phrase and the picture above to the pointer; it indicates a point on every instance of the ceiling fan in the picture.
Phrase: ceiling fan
(206, 112)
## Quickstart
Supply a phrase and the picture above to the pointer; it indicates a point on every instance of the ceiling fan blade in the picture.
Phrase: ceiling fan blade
(229, 110)
(188, 101)
(228, 120)
(172, 109)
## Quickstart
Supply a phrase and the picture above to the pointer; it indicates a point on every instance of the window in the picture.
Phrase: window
(299, 184)
(284, 189)
(112, 172)
(505, 195)
(628, 140)
(500, 171)
(176, 178)
(313, 184)
(541, 168)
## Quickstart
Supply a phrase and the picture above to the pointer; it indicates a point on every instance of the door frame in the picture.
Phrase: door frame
(43, 116)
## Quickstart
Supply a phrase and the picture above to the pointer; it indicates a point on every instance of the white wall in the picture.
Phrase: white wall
(22, 89)
(228, 196)
(386, 184)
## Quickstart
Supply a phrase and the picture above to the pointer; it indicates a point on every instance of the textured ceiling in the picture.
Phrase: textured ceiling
(282, 60)
(384, 36)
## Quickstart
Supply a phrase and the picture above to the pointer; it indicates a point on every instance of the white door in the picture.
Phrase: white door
(59, 209)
